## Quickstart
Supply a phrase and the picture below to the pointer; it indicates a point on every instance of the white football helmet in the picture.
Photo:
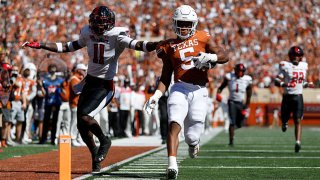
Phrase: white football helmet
(185, 13)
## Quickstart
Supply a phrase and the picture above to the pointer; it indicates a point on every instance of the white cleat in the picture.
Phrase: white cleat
(194, 150)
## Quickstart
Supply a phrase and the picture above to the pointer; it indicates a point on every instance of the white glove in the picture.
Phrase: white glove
(152, 102)
(204, 60)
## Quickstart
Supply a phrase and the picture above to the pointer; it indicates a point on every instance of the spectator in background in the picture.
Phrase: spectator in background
(259, 114)
(240, 85)
(80, 71)
(103, 119)
(163, 111)
(125, 106)
(5, 105)
(64, 117)
(18, 103)
(137, 102)
(152, 121)
(30, 91)
(52, 85)
(113, 108)
(38, 104)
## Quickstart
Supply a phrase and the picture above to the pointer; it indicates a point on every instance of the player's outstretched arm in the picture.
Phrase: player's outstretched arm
(58, 47)
(145, 46)
(221, 53)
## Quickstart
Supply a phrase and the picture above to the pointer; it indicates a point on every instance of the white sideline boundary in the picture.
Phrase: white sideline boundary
(204, 139)
(121, 162)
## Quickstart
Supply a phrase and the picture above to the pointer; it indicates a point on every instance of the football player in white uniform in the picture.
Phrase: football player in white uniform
(187, 105)
(104, 44)
(292, 77)
(239, 85)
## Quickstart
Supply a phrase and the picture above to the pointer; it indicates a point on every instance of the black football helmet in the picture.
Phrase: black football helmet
(101, 19)
(295, 54)
(239, 70)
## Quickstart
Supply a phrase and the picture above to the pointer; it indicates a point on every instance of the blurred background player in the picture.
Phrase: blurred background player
(52, 85)
(104, 43)
(292, 77)
(188, 57)
(79, 73)
(239, 85)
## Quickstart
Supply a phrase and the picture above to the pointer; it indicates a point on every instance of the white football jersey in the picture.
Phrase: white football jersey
(293, 73)
(104, 50)
(237, 86)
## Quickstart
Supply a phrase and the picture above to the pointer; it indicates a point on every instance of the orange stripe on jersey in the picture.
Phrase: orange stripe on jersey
(180, 52)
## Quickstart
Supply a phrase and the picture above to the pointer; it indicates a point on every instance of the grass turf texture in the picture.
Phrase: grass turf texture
(258, 153)
(23, 150)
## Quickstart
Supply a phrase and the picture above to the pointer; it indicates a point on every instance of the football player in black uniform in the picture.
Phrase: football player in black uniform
(104, 43)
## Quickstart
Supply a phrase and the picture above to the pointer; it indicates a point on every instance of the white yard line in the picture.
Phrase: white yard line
(247, 167)
(256, 150)
(257, 157)
(121, 163)
(159, 155)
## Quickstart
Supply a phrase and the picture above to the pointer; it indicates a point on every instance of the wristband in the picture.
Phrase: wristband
(144, 46)
(70, 46)
(212, 57)
(59, 47)
(132, 44)
(158, 94)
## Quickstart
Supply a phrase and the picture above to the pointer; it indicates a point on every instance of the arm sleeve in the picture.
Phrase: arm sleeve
(82, 39)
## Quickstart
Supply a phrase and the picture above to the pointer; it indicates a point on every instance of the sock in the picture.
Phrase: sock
(172, 162)
(298, 142)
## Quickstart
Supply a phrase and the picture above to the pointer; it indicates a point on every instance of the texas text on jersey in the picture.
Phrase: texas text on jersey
(237, 86)
(294, 74)
(178, 53)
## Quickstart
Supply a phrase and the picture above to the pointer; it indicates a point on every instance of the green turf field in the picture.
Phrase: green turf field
(259, 153)
(23, 150)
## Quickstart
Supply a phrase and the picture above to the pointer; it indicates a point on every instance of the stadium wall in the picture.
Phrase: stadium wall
(269, 102)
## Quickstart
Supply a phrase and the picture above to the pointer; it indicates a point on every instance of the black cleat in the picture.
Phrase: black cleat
(231, 143)
(172, 173)
(95, 165)
(103, 149)
(297, 147)
(284, 127)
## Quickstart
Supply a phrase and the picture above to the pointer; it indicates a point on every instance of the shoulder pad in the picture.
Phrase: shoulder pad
(247, 77)
(85, 30)
(118, 31)
(304, 65)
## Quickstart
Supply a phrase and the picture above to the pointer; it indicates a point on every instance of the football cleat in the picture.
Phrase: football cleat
(105, 145)
(284, 127)
(95, 165)
(172, 173)
(194, 150)
(297, 147)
